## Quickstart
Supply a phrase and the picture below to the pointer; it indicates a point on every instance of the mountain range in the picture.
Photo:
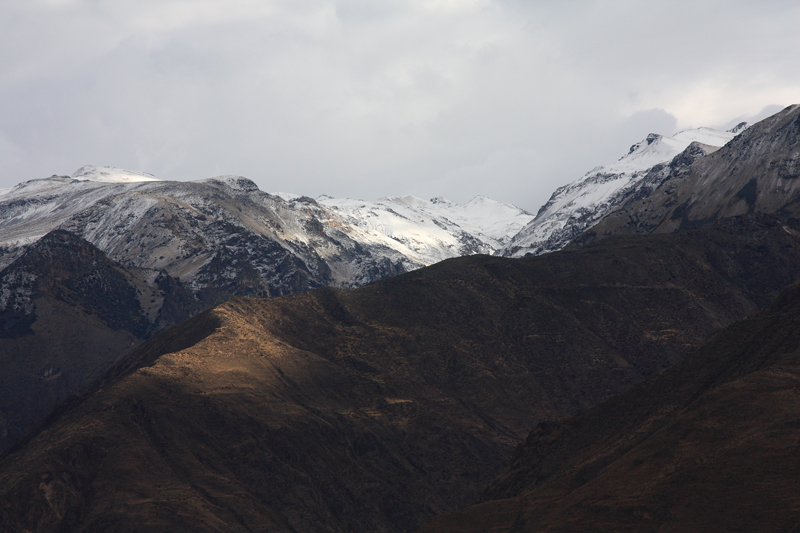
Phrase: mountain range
(194, 230)
(160, 251)
(375, 409)
(304, 404)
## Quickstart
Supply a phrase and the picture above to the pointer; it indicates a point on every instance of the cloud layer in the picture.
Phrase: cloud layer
(366, 99)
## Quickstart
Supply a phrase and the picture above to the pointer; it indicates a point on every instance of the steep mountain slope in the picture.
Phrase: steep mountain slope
(708, 445)
(376, 408)
(431, 231)
(578, 205)
(755, 172)
(67, 313)
(220, 236)
(224, 236)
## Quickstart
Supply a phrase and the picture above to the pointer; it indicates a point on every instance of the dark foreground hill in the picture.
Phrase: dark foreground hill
(710, 444)
(377, 408)
(67, 313)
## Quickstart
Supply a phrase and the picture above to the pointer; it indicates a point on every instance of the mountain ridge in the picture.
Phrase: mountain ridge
(755, 172)
(379, 407)
(577, 206)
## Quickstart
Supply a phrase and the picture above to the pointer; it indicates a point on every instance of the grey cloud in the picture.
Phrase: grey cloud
(368, 99)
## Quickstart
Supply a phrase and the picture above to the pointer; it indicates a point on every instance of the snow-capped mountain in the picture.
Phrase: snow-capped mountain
(755, 173)
(111, 175)
(432, 230)
(578, 205)
(224, 234)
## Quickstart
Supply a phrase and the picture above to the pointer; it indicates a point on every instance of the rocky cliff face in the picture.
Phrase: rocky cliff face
(579, 205)
(757, 172)
(221, 235)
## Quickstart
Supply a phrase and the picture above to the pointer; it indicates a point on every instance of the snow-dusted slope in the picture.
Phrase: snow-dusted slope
(224, 233)
(756, 172)
(577, 206)
(431, 230)
(111, 175)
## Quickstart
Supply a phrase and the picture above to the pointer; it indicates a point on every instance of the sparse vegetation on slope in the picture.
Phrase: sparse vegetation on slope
(380, 407)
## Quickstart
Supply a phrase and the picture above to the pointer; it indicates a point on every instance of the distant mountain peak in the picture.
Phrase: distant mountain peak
(579, 205)
(111, 175)
(237, 183)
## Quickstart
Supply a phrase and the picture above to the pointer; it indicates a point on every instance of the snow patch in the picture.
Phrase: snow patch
(287, 196)
(580, 204)
(111, 175)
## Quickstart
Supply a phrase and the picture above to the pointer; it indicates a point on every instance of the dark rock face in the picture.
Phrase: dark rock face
(754, 173)
(708, 445)
(377, 408)
(576, 221)
(68, 313)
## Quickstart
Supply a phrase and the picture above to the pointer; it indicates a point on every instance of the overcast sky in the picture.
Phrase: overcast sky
(371, 98)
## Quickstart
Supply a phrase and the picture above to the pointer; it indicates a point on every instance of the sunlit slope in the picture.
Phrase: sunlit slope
(377, 408)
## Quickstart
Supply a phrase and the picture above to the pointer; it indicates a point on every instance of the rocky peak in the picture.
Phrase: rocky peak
(650, 139)
(756, 172)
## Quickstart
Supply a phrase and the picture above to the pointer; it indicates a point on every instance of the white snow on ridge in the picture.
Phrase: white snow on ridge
(432, 230)
(111, 175)
(104, 203)
(657, 149)
(578, 205)
(708, 136)
(33, 208)
(287, 196)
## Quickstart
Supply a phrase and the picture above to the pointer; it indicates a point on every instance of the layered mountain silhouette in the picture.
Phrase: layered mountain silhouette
(380, 407)
(92, 264)
(710, 443)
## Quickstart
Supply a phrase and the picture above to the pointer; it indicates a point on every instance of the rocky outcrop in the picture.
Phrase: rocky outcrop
(757, 172)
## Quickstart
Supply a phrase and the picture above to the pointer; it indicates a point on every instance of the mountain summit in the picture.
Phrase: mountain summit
(579, 205)
(756, 172)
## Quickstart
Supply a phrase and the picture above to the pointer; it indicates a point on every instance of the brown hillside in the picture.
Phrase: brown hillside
(378, 408)
(710, 444)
